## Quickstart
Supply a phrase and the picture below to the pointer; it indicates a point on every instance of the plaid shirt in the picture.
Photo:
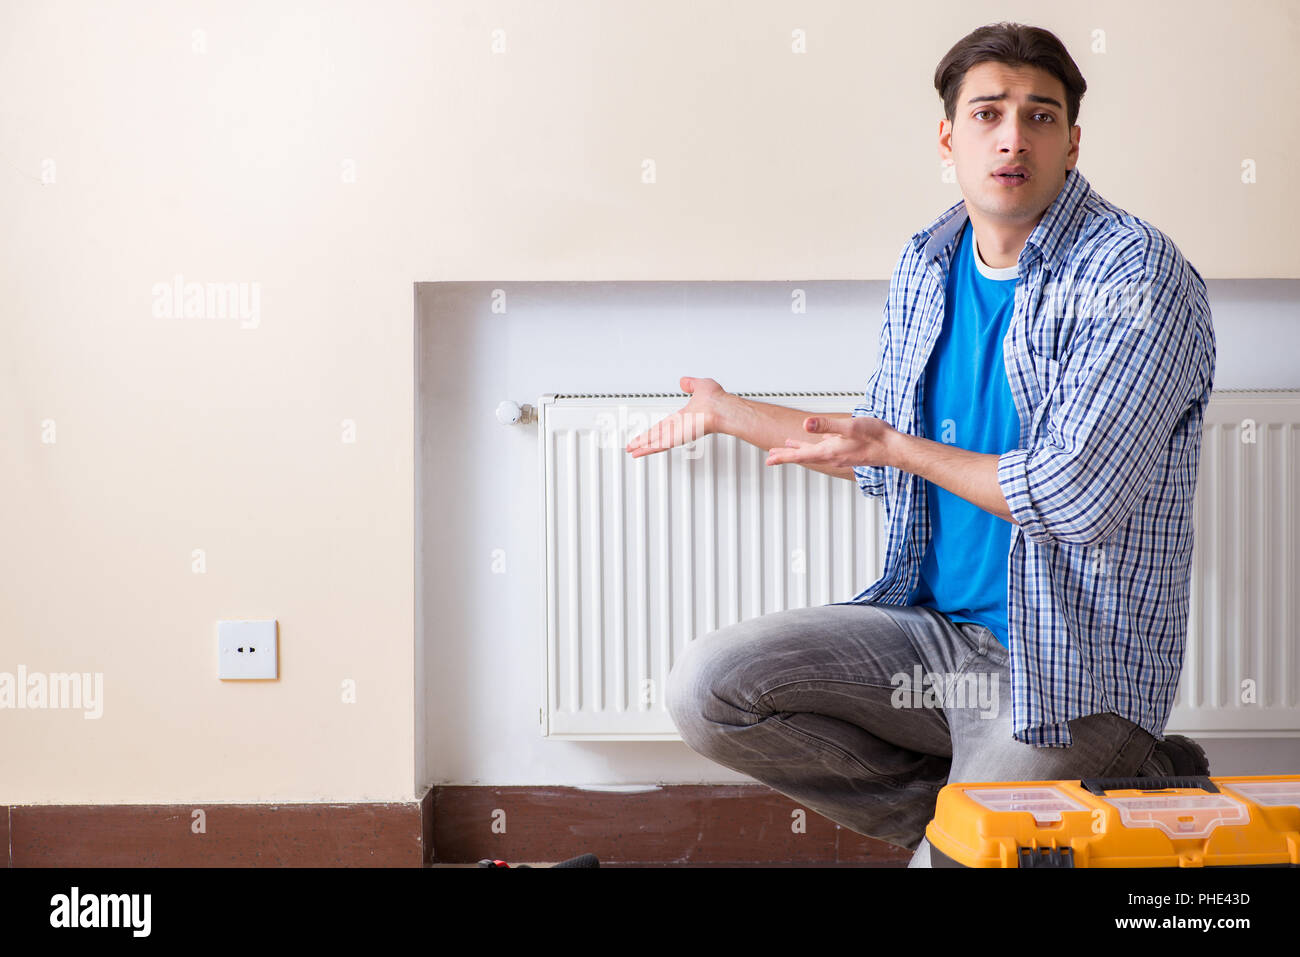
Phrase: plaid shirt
(1110, 359)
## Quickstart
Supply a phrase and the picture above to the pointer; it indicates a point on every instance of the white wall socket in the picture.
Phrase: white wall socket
(246, 649)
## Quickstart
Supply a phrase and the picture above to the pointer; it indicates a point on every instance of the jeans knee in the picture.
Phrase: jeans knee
(679, 698)
(692, 686)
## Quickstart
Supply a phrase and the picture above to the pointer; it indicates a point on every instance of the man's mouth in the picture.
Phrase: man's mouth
(1011, 176)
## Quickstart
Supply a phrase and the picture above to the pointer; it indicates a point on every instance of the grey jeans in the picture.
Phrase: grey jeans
(863, 712)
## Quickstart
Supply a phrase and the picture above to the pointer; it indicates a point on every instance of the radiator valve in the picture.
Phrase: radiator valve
(511, 413)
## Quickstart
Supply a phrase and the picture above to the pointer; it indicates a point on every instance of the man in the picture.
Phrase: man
(1060, 352)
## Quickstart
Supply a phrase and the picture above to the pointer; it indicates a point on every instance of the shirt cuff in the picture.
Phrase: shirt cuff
(1046, 736)
(871, 479)
(1013, 478)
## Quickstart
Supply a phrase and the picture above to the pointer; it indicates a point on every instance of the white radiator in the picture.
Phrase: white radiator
(642, 556)
(1241, 676)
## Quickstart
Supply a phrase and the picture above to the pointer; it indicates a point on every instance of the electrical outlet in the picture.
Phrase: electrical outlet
(246, 649)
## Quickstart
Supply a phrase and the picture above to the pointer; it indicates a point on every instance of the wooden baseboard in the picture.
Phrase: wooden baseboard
(231, 835)
(671, 824)
(667, 825)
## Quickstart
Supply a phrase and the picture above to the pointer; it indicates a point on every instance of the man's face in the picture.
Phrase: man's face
(1010, 116)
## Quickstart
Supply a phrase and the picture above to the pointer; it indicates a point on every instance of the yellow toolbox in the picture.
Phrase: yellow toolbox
(1119, 822)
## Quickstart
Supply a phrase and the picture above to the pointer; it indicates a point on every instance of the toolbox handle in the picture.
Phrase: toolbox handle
(1101, 785)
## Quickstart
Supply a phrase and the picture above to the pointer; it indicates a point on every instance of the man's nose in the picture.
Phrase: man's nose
(1014, 135)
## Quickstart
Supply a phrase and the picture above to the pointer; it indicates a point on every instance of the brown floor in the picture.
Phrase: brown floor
(660, 864)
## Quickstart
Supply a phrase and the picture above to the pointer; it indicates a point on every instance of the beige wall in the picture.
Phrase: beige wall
(177, 434)
(131, 157)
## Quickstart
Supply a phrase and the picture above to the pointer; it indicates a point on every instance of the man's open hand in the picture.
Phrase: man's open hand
(699, 417)
(848, 443)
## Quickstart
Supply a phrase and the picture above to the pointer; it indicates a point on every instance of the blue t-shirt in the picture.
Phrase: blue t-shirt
(967, 403)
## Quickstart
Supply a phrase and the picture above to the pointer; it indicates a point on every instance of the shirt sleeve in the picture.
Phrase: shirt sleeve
(871, 478)
(1133, 370)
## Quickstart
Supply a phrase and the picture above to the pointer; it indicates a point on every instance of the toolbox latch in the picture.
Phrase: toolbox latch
(1046, 857)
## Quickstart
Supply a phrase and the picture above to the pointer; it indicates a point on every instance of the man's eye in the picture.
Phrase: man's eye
(1049, 116)
(978, 112)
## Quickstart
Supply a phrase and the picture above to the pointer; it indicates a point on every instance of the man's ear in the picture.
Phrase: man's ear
(1076, 133)
(945, 133)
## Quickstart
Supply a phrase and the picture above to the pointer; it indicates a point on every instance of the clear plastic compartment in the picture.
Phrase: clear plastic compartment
(1181, 816)
(1268, 793)
(1044, 803)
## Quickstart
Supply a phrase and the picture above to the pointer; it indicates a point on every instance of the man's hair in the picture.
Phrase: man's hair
(1015, 45)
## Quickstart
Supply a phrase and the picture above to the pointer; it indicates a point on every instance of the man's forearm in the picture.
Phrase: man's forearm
(767, 426)
(972, 475)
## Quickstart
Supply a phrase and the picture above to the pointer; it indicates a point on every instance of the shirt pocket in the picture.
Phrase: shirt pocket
(1044, 381)
(1047, 372)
